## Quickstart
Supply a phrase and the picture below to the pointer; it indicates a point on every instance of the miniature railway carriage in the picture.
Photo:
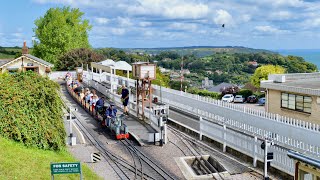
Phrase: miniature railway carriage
(115, 125)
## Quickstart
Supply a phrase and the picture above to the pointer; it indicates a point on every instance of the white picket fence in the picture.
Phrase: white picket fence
(149, 113)
(236, 126)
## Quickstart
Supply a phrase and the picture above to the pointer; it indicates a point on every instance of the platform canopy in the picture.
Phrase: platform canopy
(109, 64)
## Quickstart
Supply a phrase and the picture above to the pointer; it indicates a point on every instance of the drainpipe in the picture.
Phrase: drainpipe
(267, 99)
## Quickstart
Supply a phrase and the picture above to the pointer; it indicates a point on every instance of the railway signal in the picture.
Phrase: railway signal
(268, 156)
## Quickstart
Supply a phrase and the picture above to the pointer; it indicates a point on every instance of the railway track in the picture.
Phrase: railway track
(146, 163)
(200, 147)
(141, 168)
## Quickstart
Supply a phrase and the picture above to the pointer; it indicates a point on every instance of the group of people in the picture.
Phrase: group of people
(96, 103)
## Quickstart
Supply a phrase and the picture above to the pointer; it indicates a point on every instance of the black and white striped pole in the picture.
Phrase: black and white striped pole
(95, 157)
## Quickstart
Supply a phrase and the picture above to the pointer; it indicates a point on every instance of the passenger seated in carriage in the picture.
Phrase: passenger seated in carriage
(99, 105)
(111, 113)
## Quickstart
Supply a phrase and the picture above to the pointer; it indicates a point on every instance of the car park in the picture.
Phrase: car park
(239, 99)
(228, 98)
(252, 99)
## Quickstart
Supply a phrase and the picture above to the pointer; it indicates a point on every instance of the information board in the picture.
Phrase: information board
(65, 168)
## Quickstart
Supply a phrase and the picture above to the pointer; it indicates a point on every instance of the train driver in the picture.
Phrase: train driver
(111, 112)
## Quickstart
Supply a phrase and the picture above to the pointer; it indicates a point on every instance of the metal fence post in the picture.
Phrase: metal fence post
(200, 133)
(224, 138)
(255, 148)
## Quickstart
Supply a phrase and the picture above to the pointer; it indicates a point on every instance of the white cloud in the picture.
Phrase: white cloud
(17, 35)
(223, 17)
(183, 26)
(73, 3)
(245, 18)
(294, 3)
(269, 29)
(148, 33)
(170, 8)
(101, 20)
(118, 31)
(311, 23)
(281, 15)
(124, 22)
(145, 24)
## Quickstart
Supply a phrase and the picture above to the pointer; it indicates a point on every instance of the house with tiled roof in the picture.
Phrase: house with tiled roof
(26, 62)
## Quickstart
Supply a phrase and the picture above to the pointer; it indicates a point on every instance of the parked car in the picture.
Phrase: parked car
(239, 99)
(252, 99)
(262, 101)
(228, 98)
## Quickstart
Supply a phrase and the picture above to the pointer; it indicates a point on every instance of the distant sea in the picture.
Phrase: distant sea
(310, 55)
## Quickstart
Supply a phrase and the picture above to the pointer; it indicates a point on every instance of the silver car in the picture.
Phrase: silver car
(238, 99)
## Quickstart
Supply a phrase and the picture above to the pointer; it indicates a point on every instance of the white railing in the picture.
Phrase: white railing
(117, 100)
(288, 133)
(60, 74)
(248, 145)
(270, 116)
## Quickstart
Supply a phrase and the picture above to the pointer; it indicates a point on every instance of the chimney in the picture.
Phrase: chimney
(25, 48)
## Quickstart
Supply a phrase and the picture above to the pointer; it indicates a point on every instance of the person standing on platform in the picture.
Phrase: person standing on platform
(125, 99)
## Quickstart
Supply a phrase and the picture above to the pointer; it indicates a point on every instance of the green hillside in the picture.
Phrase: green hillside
(199, 51)
(11, 52)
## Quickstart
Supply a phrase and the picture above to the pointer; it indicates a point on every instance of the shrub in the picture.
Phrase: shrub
(31, 111)
(245, 92)
(207, 93)
(259, 94)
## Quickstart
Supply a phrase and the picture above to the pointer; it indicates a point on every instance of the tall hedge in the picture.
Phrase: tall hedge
(31, 111)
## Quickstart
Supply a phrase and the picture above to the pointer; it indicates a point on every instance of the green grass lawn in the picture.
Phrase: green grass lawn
(20, 162)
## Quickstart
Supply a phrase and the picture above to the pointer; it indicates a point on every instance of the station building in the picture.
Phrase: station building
(26, 62)
(294, 95)
(306, 168)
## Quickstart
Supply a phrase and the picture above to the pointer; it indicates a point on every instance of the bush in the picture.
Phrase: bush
(245, 92)
(78, 57)
(259, 94)
(31, 111)
(206, 93)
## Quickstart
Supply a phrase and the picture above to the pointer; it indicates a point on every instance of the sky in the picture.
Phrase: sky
(263, 24)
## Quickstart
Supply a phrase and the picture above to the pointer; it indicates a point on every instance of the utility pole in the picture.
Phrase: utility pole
(181, 71)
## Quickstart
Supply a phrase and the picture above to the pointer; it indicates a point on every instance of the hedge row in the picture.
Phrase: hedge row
(31, 111)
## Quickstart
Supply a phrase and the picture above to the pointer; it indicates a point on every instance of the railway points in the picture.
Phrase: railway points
(126, 157)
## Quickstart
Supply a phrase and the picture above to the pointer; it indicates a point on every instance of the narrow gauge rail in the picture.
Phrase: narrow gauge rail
(193, 150)
(156, 170)
(117, 128)
(200, 145)
(146, 163)
(122, 168)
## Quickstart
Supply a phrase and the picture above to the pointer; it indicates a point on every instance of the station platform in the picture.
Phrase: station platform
(140, 131)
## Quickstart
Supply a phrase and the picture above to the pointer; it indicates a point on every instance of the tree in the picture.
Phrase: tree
(58, 31)
(262, 73)
(77, 57)
(230, 90)
(161, 79)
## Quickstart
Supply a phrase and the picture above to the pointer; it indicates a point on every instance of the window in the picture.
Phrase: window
(296, 102)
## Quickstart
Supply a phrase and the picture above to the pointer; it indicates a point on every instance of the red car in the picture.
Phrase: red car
(252, 99)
